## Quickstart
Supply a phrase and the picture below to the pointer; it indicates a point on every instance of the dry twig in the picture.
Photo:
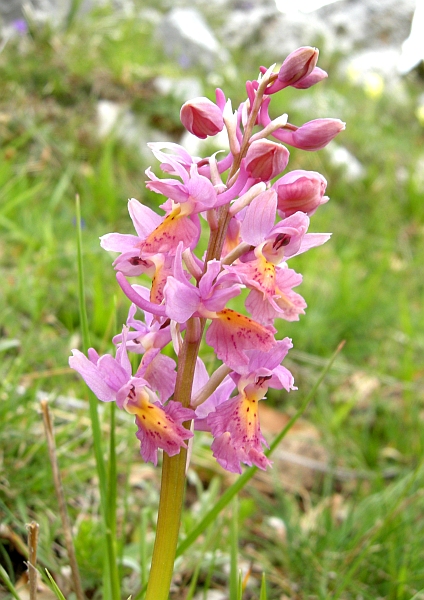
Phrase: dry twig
(32, 528)
(48, 427)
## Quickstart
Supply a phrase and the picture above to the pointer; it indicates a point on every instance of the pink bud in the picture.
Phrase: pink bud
(314, 77)
(201, 117)
(298, 64)
(265, 160)
(300, 191)
(316, 134)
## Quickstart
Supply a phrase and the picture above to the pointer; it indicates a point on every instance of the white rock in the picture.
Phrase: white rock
(184, 88)
(341, 157)
(413, 47)
(242, 26)
(279, 527)
(108, 114)
(382, 61)
(371, 24)
(132, 129)
(186, 36)
(194, 145)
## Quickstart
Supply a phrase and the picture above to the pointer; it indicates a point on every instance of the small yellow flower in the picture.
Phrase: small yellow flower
(373, 85)
(419, 113)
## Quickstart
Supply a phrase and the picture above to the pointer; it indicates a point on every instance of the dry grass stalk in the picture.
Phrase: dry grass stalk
(32, 528)
(48, 427)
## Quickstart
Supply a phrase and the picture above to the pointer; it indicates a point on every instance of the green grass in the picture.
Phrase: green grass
(346, 537)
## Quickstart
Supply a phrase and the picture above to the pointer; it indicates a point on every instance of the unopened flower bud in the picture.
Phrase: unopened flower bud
(201, 117)
(300, 191)
(316, 134)
(265, 159)
(297, 65)
(315, 76)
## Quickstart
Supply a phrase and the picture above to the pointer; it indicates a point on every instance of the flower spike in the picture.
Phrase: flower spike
(258, 215)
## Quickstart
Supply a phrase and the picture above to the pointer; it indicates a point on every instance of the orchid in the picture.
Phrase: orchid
(202, 117)
(300, 191)
(258, 220)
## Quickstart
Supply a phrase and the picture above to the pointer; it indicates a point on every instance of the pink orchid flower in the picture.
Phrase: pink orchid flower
(230, 332)
(300, 191)
(159, 426)
(235, 422)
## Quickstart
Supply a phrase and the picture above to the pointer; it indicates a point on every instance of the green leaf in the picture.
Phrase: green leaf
(107, 495)
(6, 580)
(55, 587)
(263, 595)
(234, 571)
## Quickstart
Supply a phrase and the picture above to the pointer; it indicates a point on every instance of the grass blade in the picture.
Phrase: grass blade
(194, 579)
(111, 509)
(374, 532)
(111, 488)
(26, 196)
(6, 580)
(55, 587)
(105, 498)
(239, 586)
(263, 594)
(234, 571)
(143, 546)
(72, 13)
(81, 287)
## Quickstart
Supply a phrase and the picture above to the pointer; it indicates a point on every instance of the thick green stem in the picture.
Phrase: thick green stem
(170, 506)
(173, 479)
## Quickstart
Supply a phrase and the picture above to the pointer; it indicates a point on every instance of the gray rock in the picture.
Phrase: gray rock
(244, 26)
(344, 26)
(286, 32)
(371, 24)
(133, 130)
(54, 11)
(187, 37)
(374, 70)
(10, 10)
(341, 157)
(183, 88)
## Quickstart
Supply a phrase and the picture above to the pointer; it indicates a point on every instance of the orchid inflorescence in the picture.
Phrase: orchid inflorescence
(255, 226)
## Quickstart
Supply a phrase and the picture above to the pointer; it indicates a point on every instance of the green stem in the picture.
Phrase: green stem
(217, 239)
(173, 479)
(170, 507)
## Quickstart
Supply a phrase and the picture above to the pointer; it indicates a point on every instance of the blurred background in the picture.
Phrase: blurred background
(85, 84)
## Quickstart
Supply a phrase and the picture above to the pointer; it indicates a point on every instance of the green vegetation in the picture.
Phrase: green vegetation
(350, 525)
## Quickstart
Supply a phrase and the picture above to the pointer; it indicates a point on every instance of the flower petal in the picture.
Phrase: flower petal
(231, 333)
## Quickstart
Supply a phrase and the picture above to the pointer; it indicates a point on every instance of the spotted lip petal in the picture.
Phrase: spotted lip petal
(161, 427)
(231, 333)
(236, 429)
